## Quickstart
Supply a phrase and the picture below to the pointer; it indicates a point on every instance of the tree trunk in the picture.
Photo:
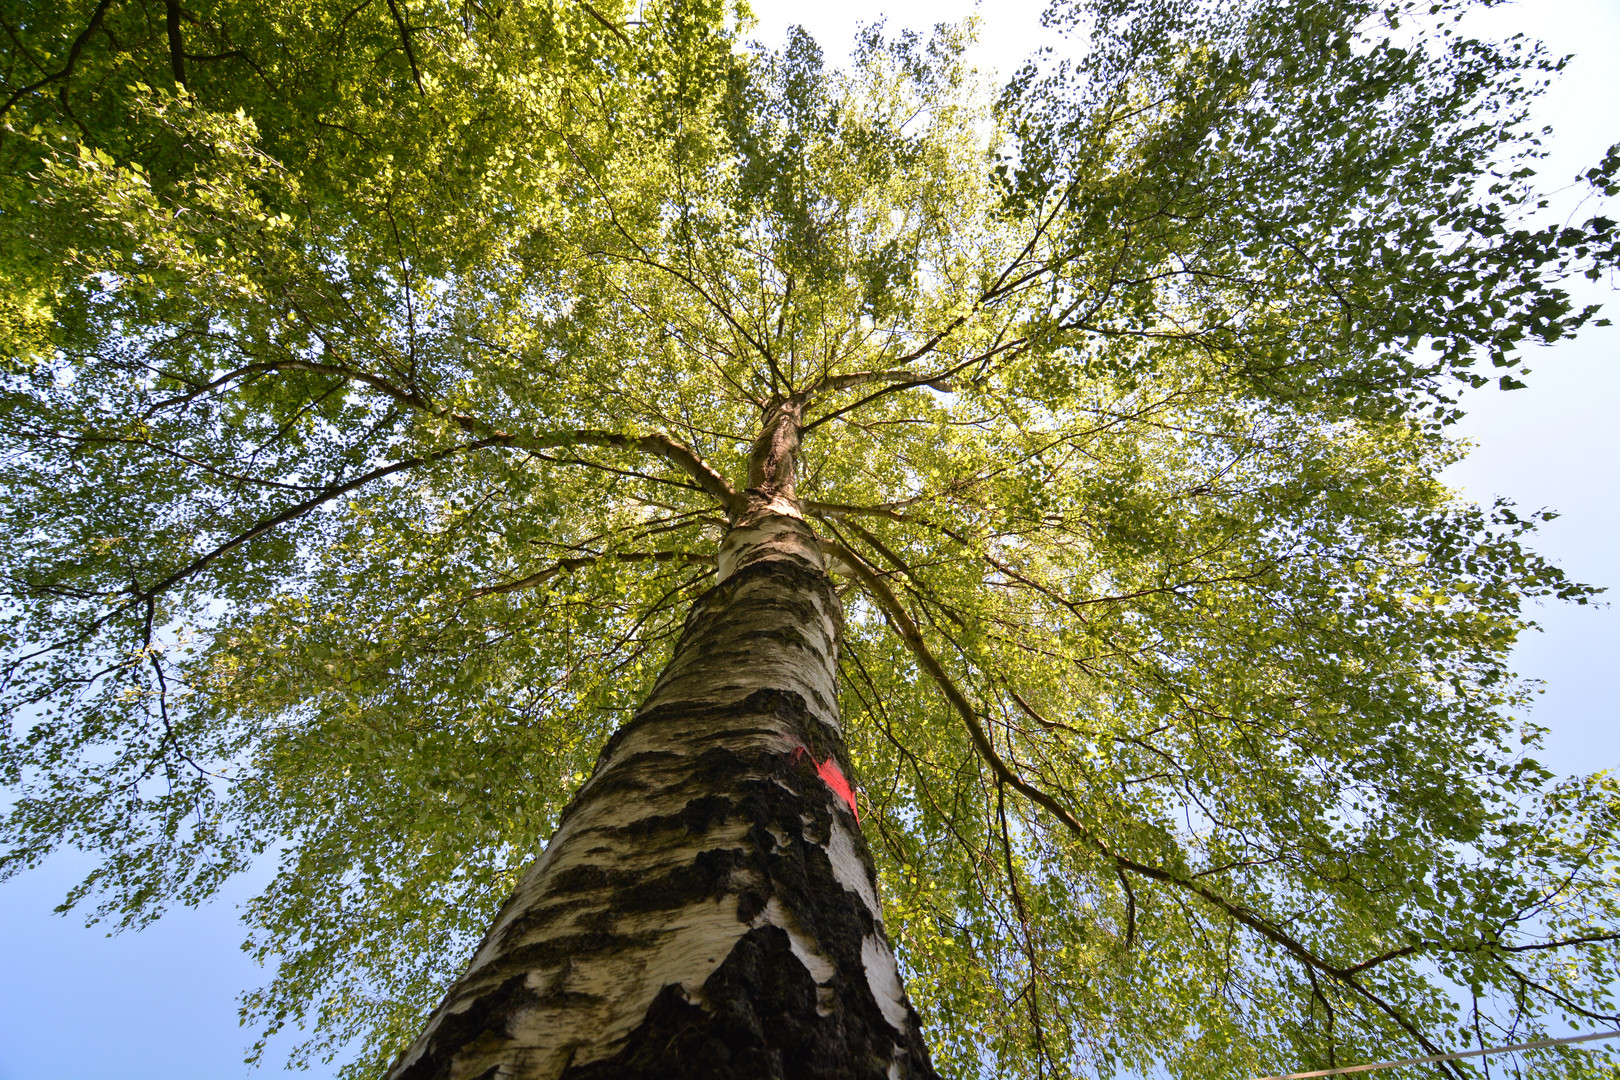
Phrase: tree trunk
(707, 906)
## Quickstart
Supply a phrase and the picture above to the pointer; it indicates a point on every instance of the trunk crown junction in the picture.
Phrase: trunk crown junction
(765, 527)
(772, 465)
(707, 908)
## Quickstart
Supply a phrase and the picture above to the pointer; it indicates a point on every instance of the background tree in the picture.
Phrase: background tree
(358, 458)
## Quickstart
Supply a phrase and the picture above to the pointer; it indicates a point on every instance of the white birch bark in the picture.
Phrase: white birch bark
(707, 906)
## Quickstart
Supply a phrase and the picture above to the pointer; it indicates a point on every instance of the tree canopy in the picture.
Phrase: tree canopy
(379, 379)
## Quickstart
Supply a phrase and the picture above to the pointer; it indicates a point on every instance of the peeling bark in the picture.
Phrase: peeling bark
(707, 906)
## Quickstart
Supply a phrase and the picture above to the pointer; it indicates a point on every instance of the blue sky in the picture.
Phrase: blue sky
(161, 1004)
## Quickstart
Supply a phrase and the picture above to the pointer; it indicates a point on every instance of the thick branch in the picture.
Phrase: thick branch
(1481, 946)
(72, 61)
(194, 462)
(568, 566)
(603, 19)
(148, 596)
(300, 509)
(837, 511)
(912, 636)
(833, 383)
(177, 51)
(891, 386)
(656, 443)
(410, 51)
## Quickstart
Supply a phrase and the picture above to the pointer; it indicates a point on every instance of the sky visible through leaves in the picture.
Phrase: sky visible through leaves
(161, 1004)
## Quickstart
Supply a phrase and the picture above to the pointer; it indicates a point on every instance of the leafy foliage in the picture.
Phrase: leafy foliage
(379, 381)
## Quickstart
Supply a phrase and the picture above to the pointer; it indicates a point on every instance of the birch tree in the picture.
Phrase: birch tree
(693, 561)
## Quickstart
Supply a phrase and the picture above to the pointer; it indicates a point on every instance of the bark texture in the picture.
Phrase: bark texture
(707, 906)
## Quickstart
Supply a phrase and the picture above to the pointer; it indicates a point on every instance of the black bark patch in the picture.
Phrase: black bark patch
(786, 635)
(750, 903)
(482, 1023)
(760, 1014)
(759, 1020)
(709, 875)
(698, 816)
(704, 813)
(624, 782)
(553, 952)
(779, 705)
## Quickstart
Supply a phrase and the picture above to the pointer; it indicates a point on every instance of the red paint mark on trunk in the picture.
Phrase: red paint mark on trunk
(834, 778)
